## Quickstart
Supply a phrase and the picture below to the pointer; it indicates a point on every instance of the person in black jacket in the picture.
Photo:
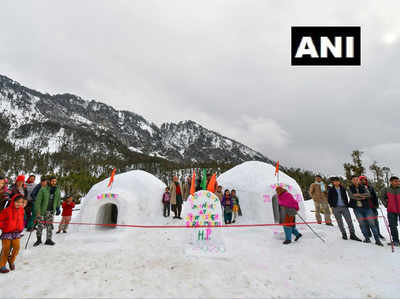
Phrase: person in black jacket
(339, 202)
(359, 201)
(373, 203)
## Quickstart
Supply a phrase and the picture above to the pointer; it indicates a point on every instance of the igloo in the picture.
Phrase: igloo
(255, 184)
(133, 198)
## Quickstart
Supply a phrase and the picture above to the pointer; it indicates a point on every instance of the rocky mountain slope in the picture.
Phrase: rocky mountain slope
(67, 123)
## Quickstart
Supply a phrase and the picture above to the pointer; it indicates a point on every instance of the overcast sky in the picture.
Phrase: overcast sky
(223, 64)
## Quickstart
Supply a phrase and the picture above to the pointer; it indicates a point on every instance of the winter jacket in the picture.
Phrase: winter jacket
(29, 189)
(333, 196)
(186, 191)
(356, 202)
(12, 219)
(373, 199)
(42, 200)
(235, 200)
(15, 190)
(35, 191)
(390, 198)
(67, 208)
(172, 191)
(219, 195)
(287, 200)
(4, 198)
(227, 203)
(316, 192)
(166, 198)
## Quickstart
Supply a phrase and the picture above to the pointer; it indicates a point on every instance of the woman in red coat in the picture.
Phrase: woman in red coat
(11, 225)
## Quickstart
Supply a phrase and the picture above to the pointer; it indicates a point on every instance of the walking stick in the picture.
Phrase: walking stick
(311, 228)
(387, 227)
(29, 237)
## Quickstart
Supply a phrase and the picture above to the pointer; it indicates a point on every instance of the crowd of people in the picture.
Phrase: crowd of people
(30, 206)
(177, 193)
(362, 198)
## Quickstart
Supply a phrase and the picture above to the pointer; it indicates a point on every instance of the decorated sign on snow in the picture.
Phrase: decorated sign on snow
(107, 196)
(203, 213)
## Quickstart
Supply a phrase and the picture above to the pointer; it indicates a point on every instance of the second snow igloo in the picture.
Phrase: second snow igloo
(255, 184)
(134, 198)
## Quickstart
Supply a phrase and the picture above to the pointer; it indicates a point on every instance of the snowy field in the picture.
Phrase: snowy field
(152, 263)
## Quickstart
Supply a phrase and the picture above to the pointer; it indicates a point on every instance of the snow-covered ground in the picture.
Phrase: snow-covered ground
(152, 263)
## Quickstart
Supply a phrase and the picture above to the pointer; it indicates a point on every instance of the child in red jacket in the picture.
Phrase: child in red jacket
(11, 225)
(67, 206)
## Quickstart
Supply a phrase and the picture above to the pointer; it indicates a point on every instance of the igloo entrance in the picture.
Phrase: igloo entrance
(108, 215)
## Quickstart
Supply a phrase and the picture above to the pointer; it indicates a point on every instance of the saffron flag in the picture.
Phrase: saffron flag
(203, 184)
(212, 183)
(193, 184)
(112, 177)
(277, 168)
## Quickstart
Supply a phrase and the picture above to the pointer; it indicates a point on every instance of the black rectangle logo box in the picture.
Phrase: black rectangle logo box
(312, 38)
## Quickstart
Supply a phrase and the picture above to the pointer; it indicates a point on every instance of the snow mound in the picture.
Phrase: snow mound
(255, 184)
(135, 198)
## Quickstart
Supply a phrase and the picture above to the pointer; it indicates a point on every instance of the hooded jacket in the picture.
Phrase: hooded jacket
(11, 218)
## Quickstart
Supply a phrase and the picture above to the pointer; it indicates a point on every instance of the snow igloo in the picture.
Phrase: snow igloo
(255, 183)
(133, 198)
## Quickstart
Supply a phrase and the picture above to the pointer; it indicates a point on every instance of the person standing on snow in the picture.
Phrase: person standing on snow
(359, 198)
(30, 184)
(373, 203)
(318, 193)
(4, 195)
(186, 188)
(227, 204)
(67, 206)
(166, 201)
(46, 203)
(219, 193)
(176, 197)
(390, 198)
(19, 187)
(288, 208)
(339, 202)
(236, 206)
(11, 225)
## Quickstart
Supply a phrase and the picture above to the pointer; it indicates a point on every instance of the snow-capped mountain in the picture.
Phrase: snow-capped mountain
(65, 122)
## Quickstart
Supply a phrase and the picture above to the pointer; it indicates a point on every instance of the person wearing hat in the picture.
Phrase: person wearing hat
(47, 201)
(288, 208)
(373, 203)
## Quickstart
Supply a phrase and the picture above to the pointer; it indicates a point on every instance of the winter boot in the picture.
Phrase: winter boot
(287, 242)
(344, 236)
(367, 240)
(298, 237)
(329, 224)
(12, 266)
(355, 238)
(50, 242)
(378, 242)
(4, 270)
(37, 243)
(64, 231)
(395, 243)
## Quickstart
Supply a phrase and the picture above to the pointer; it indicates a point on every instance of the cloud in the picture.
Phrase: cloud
(223, 64)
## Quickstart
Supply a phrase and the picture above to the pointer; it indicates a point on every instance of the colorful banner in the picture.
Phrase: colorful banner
(204, 209)
(107, 196)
